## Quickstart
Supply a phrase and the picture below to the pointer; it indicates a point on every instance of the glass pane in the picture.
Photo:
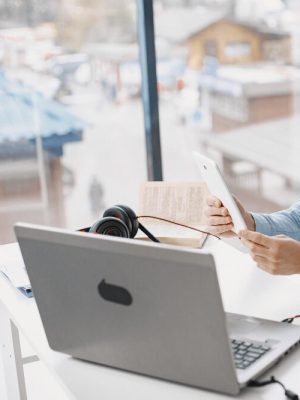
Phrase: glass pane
(229, 88)
(71, 118)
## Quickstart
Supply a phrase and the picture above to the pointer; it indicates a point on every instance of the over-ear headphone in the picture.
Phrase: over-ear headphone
(121, 221)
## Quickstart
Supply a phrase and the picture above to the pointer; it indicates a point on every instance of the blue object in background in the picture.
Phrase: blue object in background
(24, 111)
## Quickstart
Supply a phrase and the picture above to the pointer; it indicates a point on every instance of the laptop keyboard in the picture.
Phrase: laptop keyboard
(246, 353)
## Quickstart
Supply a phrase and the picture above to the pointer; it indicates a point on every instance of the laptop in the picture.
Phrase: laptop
(148, 308)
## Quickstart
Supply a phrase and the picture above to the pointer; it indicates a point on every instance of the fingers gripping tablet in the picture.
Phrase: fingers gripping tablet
(218, 188)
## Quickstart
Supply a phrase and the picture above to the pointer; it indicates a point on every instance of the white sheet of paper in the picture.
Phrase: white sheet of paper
(182, 202)
(16, 273)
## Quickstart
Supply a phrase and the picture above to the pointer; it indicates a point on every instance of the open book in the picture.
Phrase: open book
(181, 202)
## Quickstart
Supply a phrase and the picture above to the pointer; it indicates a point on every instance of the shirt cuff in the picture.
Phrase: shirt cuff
(261, 224)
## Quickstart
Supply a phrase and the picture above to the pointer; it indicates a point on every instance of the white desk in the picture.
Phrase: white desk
(245, 289)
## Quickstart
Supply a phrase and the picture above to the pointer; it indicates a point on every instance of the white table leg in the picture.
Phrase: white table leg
(12, 358)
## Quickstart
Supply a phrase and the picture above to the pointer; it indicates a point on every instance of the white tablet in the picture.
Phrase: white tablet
(217, 187)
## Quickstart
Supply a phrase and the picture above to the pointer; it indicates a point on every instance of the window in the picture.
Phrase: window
(240, 104)
(71, 118)
(237, 49)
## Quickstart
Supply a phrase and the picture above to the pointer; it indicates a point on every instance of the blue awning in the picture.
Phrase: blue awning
(24, 113)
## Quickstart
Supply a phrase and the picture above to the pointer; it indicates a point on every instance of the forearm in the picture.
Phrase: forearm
(286, 222)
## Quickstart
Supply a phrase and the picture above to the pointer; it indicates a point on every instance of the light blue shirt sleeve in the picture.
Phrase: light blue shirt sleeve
(286, 222)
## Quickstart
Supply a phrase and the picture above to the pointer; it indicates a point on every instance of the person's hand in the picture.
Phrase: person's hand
(218, 219)
(278, 255)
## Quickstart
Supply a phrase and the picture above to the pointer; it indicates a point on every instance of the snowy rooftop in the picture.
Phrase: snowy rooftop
(177, 24)
(254, 80)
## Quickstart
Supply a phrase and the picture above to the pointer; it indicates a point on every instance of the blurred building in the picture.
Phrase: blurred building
(28, 47)
(234, 42)
(33, 131)
(27, 12)
(216, 33)
(248, 94)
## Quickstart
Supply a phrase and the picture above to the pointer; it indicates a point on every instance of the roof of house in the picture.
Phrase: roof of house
(260, 27)
(253, 80)
(25, 113)
(178, 24)
(269, 145)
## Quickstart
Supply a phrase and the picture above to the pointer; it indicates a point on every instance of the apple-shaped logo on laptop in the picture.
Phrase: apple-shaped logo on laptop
(114, 293)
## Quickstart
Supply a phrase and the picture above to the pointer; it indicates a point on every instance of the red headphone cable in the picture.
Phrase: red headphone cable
(179, 224)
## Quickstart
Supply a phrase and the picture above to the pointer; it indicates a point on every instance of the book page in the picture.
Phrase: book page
(181, 202)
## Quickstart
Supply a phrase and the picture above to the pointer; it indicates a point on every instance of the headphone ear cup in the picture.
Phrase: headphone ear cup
(126, 215)
(132, 217)
(110, 226)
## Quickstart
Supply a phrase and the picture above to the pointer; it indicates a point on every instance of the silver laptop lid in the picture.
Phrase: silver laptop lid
(144, 307)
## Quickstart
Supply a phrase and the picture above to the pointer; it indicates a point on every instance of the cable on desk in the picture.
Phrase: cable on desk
(179, 224)
(290, 320)
(288, 393)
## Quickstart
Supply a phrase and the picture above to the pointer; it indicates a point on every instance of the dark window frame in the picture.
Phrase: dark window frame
(146, 38)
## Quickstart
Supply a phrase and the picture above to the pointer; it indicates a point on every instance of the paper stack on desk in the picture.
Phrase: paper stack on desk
(181, 202)
(17, 276)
